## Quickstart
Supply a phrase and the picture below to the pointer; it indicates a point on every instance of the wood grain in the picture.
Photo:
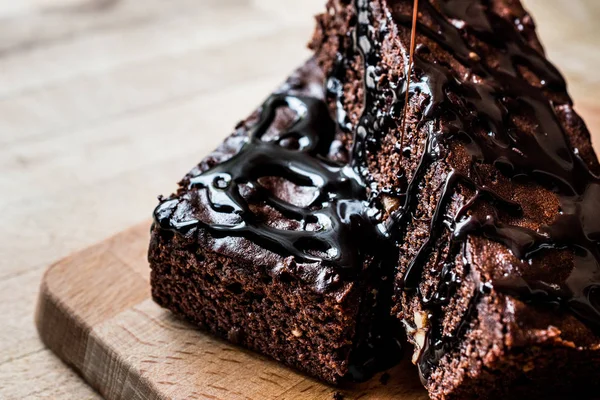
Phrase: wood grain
(97, 97)
(95, 313)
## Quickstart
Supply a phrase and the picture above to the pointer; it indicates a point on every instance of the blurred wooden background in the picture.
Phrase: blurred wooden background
(105, 104)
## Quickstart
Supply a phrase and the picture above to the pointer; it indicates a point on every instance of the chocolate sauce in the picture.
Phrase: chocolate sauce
(479, 112)
(335, 225)
(413, 37)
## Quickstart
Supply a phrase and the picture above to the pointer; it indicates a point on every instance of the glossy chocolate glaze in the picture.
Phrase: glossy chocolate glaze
(479, 115)
(335, 226)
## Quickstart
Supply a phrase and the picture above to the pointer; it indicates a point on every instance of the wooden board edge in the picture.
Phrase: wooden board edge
(53, 322)
(68, 333)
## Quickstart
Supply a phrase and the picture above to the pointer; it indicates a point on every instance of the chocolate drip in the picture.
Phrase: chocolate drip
(479, 113)
(335, 227)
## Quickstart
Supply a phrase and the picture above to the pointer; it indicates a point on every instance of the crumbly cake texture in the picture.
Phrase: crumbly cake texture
(303, 313)
(496, 290)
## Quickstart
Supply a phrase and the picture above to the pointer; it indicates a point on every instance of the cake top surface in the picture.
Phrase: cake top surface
(284, 188)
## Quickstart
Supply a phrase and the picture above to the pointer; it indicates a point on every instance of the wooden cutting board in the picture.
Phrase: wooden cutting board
(95, 312)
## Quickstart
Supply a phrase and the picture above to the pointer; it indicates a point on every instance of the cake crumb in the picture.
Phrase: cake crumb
(384, 378)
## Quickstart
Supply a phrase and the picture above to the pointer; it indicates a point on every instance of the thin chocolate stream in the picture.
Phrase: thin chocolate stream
(413, 37)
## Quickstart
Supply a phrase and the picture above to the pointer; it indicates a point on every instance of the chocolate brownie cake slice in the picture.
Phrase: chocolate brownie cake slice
(269, 243)
(489, 187)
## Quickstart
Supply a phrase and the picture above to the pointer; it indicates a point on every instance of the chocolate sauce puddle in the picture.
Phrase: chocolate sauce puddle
(479, 114)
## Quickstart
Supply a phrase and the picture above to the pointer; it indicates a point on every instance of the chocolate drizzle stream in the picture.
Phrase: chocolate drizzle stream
(479, 114)
(413, 38)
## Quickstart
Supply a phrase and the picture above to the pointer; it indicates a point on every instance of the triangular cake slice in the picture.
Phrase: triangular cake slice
(268, 244)
(490, 191)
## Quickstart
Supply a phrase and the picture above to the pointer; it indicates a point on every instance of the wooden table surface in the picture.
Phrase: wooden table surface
(105, 104)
